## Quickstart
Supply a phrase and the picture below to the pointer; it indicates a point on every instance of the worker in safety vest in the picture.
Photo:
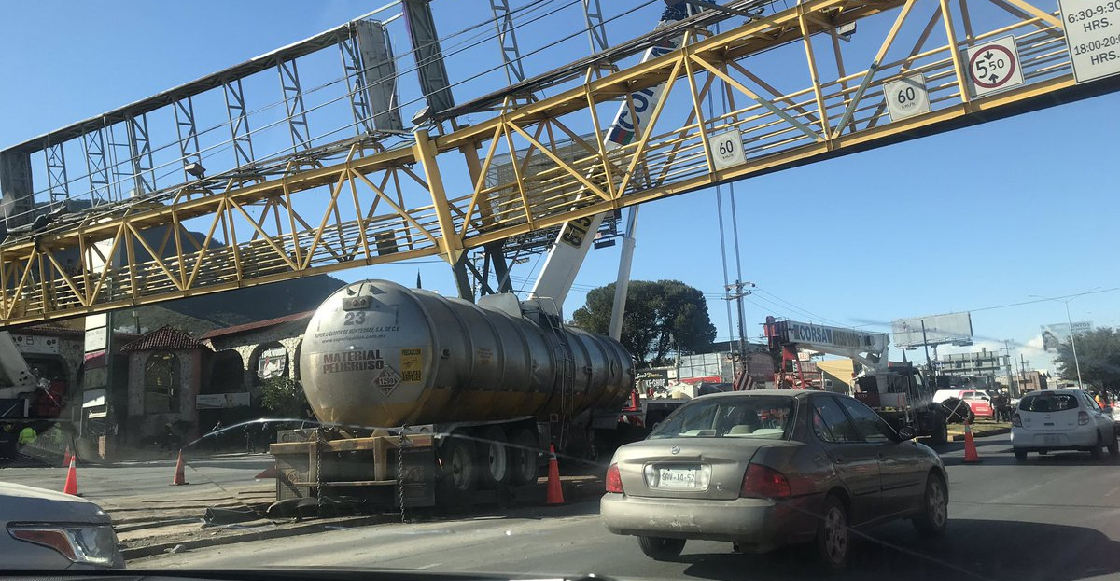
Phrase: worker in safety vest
(26, 436)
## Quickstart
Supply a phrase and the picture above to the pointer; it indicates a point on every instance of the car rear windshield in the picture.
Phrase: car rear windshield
(758, 416)
(1048, 402)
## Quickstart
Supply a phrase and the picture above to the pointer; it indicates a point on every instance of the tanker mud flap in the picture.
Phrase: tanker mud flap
(416, 475)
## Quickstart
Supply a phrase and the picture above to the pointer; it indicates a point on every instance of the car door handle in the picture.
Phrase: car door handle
(837, 460)
(882, 456)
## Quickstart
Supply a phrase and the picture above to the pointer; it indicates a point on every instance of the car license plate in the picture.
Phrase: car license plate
(1051, 439)
(677, 478)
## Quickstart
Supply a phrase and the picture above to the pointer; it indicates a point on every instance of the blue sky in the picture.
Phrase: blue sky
(980, 217)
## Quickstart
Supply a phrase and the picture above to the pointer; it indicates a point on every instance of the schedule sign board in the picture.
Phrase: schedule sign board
(1093, 33)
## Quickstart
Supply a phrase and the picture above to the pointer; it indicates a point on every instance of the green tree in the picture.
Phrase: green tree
(1098, 352)
(283, 396)
(661, 316)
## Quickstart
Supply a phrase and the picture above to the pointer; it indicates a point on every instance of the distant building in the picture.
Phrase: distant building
(983, 362)
(164, 380)
(244, 356)
(1032, 380)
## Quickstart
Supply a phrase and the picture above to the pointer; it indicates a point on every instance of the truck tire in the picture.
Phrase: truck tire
(523, 453)
(493, 456)
(660, 548)
(457, 475)
(956, 411)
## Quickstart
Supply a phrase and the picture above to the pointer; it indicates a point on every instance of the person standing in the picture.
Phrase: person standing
(216, 434)
(250, 438)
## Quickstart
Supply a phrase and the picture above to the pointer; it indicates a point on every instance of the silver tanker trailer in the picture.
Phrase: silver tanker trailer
(437, 400)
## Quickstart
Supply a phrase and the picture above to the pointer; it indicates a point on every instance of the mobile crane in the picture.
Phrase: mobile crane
(25, 399)
(896, 391)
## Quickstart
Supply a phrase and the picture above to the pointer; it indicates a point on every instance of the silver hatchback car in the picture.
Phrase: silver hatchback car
(768, 468)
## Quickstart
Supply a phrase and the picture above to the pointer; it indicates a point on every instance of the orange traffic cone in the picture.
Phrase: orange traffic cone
(555, 493)
(66, 457)
(970, 454)
(71, 486)
(180, 479)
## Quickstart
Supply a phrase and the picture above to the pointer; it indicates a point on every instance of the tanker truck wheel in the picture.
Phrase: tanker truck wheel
(493, 454)
(457, 474)
(523, 451)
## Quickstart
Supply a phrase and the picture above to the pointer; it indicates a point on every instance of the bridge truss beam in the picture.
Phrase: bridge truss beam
(363, 205)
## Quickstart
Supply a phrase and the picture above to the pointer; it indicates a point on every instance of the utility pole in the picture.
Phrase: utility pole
(1011, 383)
(1073, 344)
(925, 343)
(736, 293)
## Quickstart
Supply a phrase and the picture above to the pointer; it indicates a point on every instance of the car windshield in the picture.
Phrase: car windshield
(1048, 402)
(760, 417)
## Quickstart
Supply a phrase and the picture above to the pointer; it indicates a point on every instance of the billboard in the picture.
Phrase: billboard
(954, 328)
(1053, 335)
(210, 401)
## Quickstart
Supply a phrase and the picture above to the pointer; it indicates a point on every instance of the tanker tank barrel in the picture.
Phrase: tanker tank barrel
(378, 354)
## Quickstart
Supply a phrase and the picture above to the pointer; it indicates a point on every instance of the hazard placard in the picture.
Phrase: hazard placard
(1093, 33)
(906, 97)
(994, 66)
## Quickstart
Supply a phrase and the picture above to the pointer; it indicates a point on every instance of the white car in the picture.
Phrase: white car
(1061, 419)
(44, 530)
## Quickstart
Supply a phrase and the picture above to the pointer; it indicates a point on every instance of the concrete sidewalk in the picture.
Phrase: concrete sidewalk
(150, 526)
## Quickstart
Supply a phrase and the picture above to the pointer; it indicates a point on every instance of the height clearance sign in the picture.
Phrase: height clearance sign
(994, 66)
(1093, 33)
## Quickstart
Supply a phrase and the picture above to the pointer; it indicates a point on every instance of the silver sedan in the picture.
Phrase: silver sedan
(768, 468)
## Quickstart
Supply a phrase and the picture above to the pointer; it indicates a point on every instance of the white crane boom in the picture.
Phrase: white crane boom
(869, 349)
(575, 238)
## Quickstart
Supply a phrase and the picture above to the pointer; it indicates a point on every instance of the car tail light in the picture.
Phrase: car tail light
(763, 482)
(1017, 421)
(614, 479)
(1082, 418)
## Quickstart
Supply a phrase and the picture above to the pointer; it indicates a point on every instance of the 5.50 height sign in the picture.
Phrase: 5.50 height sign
(994, 66)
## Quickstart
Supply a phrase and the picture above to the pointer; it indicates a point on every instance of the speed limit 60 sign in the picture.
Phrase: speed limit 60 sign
(994, 66)
(906, 97)
(727, 149)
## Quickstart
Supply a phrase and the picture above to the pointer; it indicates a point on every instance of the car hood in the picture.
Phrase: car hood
(20, 503)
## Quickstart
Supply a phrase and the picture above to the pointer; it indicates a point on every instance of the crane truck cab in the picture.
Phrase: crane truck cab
(903, 397)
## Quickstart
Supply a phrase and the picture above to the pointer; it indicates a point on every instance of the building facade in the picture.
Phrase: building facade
(164, 381)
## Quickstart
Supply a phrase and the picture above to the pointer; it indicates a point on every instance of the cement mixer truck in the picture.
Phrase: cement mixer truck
(438, 400)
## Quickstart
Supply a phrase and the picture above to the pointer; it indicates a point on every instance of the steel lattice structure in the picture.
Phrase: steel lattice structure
(371, 200)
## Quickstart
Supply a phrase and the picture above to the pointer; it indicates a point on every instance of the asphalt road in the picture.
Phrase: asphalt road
(115, 482)
(1052, 518)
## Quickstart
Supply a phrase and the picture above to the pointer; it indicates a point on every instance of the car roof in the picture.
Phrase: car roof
(1067, 390)
(778, 392)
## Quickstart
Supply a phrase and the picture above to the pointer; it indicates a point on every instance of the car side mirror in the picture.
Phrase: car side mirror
(906, 433)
